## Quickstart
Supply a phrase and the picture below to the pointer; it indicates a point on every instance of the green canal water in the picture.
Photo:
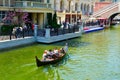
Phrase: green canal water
(94, 56)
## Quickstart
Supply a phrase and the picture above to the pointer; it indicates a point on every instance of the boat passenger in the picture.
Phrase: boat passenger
(62, 50)
(45, 55)
(56, 52)
(50, 54)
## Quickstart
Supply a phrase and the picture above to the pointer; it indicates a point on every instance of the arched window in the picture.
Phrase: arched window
(76, 6)
(69, 3)
(61, 5)
(88, 8)
(91, 9)
(82, 7)
(85, 7)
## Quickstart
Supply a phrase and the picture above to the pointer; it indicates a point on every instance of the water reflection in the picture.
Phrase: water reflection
(50, 72)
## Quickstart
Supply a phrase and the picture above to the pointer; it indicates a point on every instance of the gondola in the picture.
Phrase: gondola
(46, 62)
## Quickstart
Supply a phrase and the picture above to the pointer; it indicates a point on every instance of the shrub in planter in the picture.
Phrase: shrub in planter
(54, 21)
(5, 29)
(49, 18)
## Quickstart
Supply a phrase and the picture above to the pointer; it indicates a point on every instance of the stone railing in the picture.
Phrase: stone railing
(55, 32)
(105, 9)
(32, 4)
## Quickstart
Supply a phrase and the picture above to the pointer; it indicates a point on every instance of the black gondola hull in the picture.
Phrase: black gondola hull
(42, 63)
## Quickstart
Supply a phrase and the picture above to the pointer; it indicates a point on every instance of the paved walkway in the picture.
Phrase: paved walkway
(40, 33)
(20, 35)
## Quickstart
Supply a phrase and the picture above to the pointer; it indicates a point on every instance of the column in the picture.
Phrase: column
(45, 19)
(41, 20)
(71, 19)
(77, 17)
(34, 17)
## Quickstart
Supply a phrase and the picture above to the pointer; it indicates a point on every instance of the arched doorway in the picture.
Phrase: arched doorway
(88, 9)
(91, 12)
(82, 8)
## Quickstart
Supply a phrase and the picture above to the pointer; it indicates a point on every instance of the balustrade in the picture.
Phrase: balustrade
(32, 4)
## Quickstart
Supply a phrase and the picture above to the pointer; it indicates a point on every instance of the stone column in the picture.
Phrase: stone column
(45, 19)
(71, 18)
(40, 20)
(34, 17)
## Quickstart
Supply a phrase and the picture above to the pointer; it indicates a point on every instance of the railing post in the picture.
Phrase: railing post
(35, 32)
(10, 34)
(23, 33)
(81, 27)
(47, 33)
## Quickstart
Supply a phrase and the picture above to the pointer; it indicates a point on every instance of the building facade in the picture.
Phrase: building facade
(72, 10)
(67, 10)
(37, 9)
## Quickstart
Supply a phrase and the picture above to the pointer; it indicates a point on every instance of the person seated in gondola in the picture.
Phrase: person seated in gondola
(47, 56)
(56, 52)
(44, 57)
(50, 54)
(62, 50)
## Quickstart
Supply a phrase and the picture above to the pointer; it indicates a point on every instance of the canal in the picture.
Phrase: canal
(94, 56)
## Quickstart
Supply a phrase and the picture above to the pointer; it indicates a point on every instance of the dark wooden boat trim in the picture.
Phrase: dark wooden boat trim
(41, 63)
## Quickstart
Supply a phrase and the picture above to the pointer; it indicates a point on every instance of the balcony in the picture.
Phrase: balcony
(6, 5)
(32, 4)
